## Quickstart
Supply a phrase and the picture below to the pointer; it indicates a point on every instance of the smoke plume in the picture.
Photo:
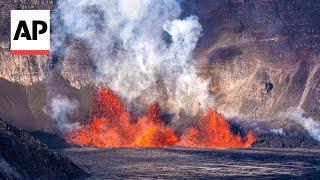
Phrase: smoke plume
(141, 48)
(310, 125)
(60, 109)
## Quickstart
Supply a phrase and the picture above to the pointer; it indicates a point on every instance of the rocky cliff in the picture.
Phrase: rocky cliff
(261, 55)
(25, 70)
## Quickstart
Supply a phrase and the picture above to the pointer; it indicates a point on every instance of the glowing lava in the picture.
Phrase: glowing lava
(112, 126)
(213, 131)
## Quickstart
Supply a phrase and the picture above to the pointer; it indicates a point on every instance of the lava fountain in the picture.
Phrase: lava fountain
(111, 126)
(213, 131)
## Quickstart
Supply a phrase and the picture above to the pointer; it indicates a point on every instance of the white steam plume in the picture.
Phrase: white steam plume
(61, 108)
(131, 54)
(312, 126)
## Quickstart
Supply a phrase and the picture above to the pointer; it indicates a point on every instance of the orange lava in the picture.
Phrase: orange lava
(111, 126)
(213, 131)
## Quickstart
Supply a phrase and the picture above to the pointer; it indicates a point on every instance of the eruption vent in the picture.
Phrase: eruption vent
(112, 126)
(213, 131)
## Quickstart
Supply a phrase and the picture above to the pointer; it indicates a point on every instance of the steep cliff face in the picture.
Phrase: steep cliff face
(25, 70)
(262, 56)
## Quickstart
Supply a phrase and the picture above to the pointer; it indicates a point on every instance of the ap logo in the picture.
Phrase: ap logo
(30, 32)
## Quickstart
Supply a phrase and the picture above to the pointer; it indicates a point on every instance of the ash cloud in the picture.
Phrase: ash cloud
(130, 52)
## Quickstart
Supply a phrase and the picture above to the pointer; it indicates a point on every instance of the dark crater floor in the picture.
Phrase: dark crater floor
(179, 163)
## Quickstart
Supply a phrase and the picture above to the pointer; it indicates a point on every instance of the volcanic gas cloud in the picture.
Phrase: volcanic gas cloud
(112, 126)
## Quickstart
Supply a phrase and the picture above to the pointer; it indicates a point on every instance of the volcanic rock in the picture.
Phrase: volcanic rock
(26, 70)
(269, 140)
(53, 141)
(24, 157)
(263, 55)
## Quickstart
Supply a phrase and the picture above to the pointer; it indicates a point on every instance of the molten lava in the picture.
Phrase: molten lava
(111, 126)
(214, 132)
